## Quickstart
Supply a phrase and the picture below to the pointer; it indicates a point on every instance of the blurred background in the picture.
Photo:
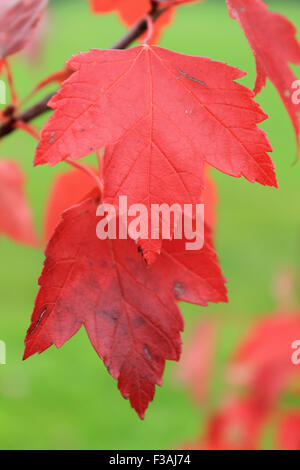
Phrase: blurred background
(65, 399)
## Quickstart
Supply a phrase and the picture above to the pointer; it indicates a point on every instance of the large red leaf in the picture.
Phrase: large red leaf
(131, 11)
(128, 310)
(179, 110)
(15, 214)
(162, 115)
(18, 18)
(272, 38)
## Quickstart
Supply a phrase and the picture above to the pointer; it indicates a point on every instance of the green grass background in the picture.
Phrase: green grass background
(65, 398)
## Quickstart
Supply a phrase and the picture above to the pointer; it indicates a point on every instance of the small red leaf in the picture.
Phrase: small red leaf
(15, 214)
(272, 38)
(128, 310)
(131, 11)
(57, 77)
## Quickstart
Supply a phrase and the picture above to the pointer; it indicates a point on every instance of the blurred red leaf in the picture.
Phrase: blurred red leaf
(18, 18)
(129, 311)
(264, 360)
(272, 38)
(35, 47)
(288, 435)
(15, 214)
(237, 426)
(196, 365)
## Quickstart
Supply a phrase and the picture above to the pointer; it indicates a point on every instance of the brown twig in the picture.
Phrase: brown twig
(136, 31)
(41, 107)
(26, 116)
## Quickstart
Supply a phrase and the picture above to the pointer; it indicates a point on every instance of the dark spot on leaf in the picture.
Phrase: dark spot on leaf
(139, 321)
(178, 289)
(112, 315)
(186, 75)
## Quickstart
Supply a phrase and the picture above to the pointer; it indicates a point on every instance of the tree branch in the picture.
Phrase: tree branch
(137, 30)
(41, 107)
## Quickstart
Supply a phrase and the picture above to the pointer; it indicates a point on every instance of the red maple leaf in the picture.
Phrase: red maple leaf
(264, 360)
(144, 97)
(15, 214)
(18, 18)
(131, 11)
(161, 116)
(272, 38)
(128, 310)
